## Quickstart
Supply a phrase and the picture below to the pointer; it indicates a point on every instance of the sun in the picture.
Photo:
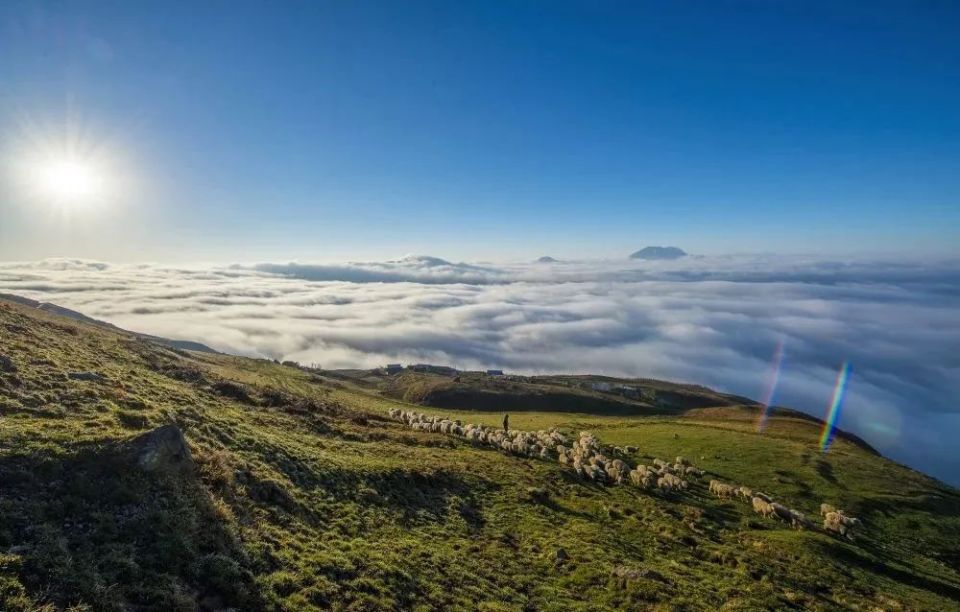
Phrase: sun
(63, 171)
(69, 181)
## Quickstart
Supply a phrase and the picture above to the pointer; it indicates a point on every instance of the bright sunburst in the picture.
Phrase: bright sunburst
(65, 169)
(69, 181)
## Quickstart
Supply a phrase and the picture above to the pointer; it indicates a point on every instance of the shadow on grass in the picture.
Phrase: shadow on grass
(825, 470)
(90, 527)
(415, 496)
(881, 565)
(553, 505)
(943, 503)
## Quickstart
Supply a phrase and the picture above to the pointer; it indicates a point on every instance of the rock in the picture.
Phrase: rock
(92, 376)
(560, 556)
(6, 364)
(162, 448)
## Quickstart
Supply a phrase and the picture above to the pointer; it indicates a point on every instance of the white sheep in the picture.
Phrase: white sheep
(721, 490)
(836, 522)
(762, 506)
(614, 475)
(669, 482)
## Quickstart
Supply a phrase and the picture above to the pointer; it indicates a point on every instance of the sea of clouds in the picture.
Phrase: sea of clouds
(710, 320)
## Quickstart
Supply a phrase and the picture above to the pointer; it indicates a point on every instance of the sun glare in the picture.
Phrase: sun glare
(69, 181)
(64, 170)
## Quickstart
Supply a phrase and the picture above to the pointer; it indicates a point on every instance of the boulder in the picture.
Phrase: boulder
(6, 364)
(163, 448)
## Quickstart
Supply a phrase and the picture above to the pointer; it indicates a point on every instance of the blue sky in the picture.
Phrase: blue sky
(332, 130)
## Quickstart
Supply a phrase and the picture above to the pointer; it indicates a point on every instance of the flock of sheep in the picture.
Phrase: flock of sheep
(541, 444)
(761, 502)
(587, 459)
(585, 455)
(835, 521)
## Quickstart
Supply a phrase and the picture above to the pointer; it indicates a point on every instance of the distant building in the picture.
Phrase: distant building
(494, 372)
(393, 368)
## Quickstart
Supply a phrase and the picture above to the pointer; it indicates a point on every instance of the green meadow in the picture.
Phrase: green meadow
(304, 495)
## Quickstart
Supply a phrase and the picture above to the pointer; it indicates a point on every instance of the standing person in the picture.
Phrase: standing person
(506, 422)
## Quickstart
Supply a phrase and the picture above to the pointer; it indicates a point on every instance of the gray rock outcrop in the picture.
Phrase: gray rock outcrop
(163, 448)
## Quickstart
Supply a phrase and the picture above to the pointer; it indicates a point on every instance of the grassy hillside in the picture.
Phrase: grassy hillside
(305, 496)
(475, 391)
(478, 392)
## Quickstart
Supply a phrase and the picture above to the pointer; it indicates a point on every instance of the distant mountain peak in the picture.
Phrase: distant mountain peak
(424, 260)
(546, 259)
(659, 252)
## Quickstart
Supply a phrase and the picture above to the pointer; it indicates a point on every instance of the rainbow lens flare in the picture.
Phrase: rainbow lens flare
(833, 414)
(773, 378)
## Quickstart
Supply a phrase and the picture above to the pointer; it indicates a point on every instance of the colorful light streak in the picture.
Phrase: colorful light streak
(773, 378)
(833, 414)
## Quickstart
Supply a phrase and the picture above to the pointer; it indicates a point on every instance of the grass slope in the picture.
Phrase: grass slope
(306, 497)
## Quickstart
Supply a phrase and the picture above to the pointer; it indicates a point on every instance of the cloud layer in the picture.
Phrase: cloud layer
(714, 321)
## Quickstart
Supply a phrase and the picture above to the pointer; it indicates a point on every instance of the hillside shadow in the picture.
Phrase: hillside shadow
(944, 503)
(791, 478)
(91, 527)
(554, 506)
(415, 496)
(825, 470)
(882, 565)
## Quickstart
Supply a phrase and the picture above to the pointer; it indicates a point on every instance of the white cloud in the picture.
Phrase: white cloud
(713, 321)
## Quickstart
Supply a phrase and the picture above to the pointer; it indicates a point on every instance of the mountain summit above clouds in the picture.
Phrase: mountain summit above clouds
(659, 252)
(423, 260)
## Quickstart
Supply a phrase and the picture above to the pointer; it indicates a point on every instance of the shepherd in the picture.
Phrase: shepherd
(506, 422)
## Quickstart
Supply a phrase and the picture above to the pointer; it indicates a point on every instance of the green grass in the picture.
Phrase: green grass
(306, 497)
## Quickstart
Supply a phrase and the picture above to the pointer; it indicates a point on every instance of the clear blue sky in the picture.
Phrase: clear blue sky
(489, 130)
